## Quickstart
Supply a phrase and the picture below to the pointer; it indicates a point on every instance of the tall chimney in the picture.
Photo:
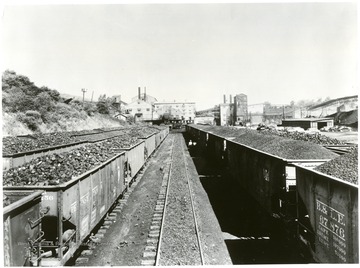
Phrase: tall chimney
(139, 92)
(145, 94)
(230, 101)
(224, 98)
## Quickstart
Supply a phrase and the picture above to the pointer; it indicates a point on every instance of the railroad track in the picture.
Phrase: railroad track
(193, 207)
(152, 250)
(340, 149)
(159, 244)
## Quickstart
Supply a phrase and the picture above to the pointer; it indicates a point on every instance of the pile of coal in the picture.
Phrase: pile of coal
(283, 147)
(141, 132)
(303, 136)
(121, 142)
(18, 144)
(300, 136)
(344, 167)
(21, 144)
(58, 168)
(55, 169)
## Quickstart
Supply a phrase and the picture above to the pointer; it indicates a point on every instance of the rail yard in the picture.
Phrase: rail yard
(203, 195)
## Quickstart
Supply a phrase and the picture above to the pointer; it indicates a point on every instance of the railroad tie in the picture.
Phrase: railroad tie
(81, 260)
(102, 231)
(152, 241)
(87, 252)
(148, 262)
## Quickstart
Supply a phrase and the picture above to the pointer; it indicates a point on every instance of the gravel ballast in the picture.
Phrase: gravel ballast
(179, 244)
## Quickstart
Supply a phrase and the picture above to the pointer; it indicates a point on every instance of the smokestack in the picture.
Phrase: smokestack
(145, 94)
(224, 98)
(230, 101)
(235, 108)
(139, 92)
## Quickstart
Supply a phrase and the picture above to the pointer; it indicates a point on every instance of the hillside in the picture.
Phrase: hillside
(27, 108)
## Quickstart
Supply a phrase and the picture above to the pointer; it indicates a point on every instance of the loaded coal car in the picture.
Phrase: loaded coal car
(211, 141)
(75, 206)
(327, 210)
(264, 165)
(22, 216)
(15, 159)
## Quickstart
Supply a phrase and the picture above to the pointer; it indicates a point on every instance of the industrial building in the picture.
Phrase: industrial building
(234, 112)
(226, 114)
(240, 109)
(184, 111)
(141, 106)
(140, 109)
(307, 123)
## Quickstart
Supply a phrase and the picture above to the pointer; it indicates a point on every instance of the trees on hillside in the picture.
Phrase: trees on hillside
(104, 105)
(21, 95)
(33, 105)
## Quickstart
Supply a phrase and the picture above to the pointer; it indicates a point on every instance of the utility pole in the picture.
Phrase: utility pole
(283, 112)
(83, 91)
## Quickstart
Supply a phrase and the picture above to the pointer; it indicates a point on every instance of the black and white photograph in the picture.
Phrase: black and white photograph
(179, 133)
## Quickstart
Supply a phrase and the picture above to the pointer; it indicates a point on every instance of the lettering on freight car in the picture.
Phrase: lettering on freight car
(95, 190)
(331, 230)
(84, 199)
(337, 216)
(46, 197)
(322, 241)
(341, 257)
(323, 230)
(323, 235)
(337, 230)
(321, 207)
(339, 241)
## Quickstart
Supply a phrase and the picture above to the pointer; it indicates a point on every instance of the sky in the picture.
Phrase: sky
(197, 52)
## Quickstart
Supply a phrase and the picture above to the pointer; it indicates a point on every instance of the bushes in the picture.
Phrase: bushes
(102, 108)
(90, 108)
(32, 119)
(17, 101)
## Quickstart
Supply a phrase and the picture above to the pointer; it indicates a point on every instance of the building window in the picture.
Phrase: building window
(148, 109)
(139, 109)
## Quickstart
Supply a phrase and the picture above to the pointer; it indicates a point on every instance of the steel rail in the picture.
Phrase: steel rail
(158, 250)
(192, 205)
